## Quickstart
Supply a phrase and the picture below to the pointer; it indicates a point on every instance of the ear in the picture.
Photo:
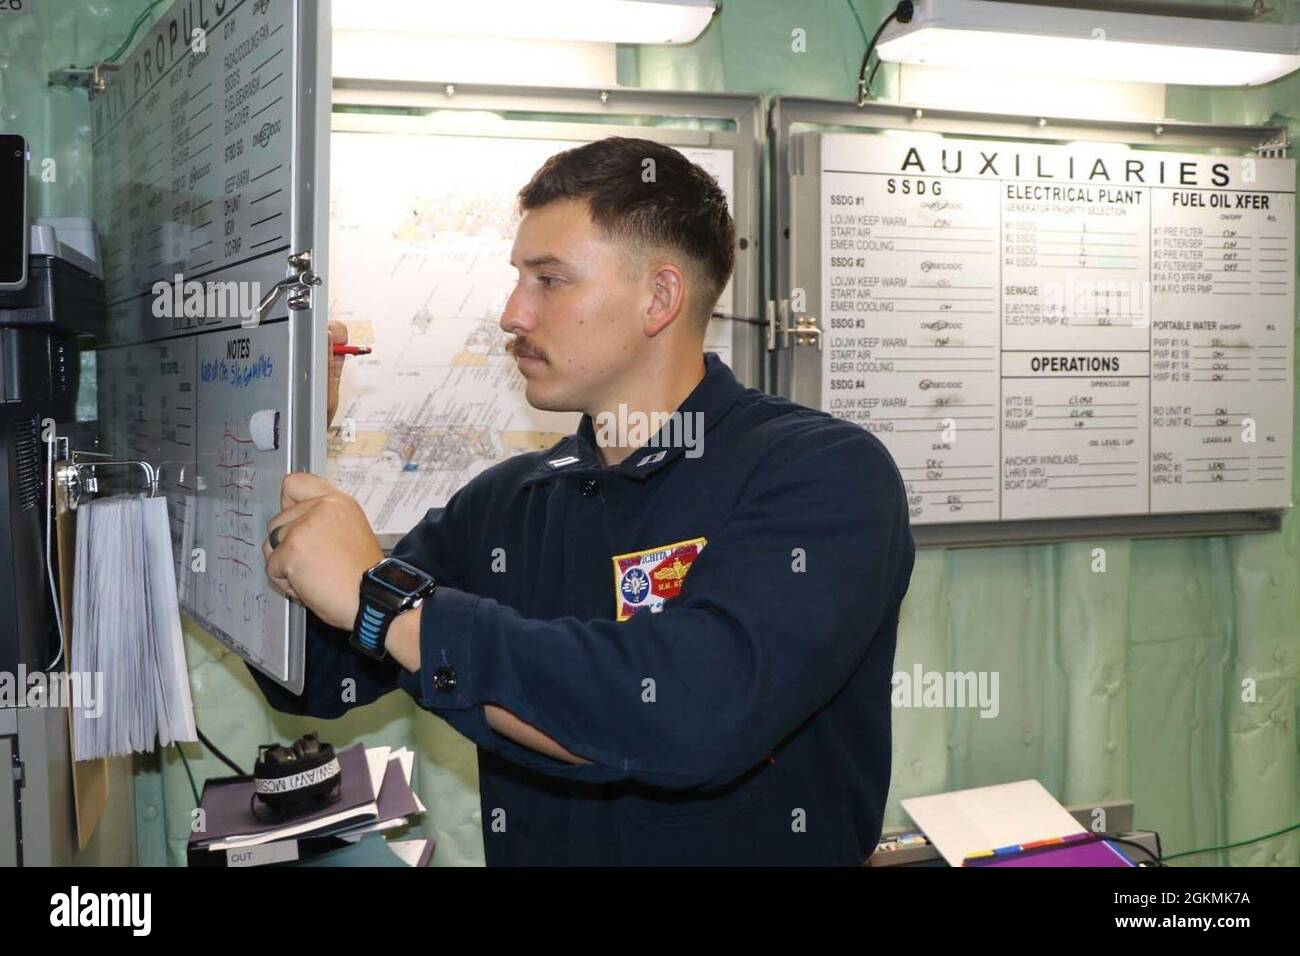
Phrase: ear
(667, 298)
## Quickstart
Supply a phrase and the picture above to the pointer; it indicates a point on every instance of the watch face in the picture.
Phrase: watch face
(400, 576)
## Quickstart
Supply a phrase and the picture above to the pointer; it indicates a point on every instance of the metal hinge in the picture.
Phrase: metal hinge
(804, 330)
(1276, 148)
(297, 287)
(19, 772)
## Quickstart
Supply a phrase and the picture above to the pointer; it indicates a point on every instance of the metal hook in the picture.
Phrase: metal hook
(79, 486)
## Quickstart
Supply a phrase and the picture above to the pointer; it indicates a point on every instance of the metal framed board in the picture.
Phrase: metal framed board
(208, 180)
(1169, 488)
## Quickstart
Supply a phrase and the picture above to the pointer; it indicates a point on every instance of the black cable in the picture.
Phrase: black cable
(748, 320)
(872, 77)
(1230, 846)
(903, 14)
(193, 789)
(218, 754)
(1155, 857)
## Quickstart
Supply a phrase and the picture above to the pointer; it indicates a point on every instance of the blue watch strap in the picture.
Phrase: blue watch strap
(371, 629)
(381, 602)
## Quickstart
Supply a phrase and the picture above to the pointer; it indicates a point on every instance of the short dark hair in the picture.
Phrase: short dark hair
(681, 206)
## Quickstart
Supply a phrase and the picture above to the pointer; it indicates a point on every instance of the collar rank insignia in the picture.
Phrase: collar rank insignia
(646, 579)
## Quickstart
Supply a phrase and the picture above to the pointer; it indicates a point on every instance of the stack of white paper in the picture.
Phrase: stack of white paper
(126, 625)
(965, 822)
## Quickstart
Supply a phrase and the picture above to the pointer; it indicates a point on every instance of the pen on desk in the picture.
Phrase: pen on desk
(351, 350)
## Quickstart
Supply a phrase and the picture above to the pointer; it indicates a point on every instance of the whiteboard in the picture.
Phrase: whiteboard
(420, 272)
(1039, 331)
(201, 154)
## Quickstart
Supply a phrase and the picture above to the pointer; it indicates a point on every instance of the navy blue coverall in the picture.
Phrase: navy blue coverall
(739, 715)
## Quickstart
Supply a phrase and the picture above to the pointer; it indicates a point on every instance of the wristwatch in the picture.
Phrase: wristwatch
(389, 588)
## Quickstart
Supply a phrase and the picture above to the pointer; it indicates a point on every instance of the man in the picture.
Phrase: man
(675, 653)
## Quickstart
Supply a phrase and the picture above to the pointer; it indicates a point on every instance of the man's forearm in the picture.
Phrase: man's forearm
(403, 643)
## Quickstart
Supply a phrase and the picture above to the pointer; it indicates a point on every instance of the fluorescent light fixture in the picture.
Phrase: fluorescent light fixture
(426, 57)
(1100, 43)
(1030, 94)
(592, 21)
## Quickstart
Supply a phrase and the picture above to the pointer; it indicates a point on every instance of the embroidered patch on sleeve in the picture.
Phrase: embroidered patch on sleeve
(646, 579)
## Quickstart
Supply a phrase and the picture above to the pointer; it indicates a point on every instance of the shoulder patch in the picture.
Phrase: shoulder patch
(646, 579)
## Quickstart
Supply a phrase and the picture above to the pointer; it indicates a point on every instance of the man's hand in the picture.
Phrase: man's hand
(337, 335)
(325, 544)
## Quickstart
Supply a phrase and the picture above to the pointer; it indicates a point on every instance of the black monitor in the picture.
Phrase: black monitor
(13, 211)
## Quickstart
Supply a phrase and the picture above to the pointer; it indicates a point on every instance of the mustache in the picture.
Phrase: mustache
(521, 348)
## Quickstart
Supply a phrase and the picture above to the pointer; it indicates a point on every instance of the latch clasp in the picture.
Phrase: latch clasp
(297, 287)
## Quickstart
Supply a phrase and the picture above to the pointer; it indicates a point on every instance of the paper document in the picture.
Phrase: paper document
(986, 818)
(126, 626)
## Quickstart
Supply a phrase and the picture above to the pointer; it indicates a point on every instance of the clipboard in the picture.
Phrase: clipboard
(90, 778)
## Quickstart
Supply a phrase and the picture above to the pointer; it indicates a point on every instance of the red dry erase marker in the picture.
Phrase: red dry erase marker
(351, 350)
